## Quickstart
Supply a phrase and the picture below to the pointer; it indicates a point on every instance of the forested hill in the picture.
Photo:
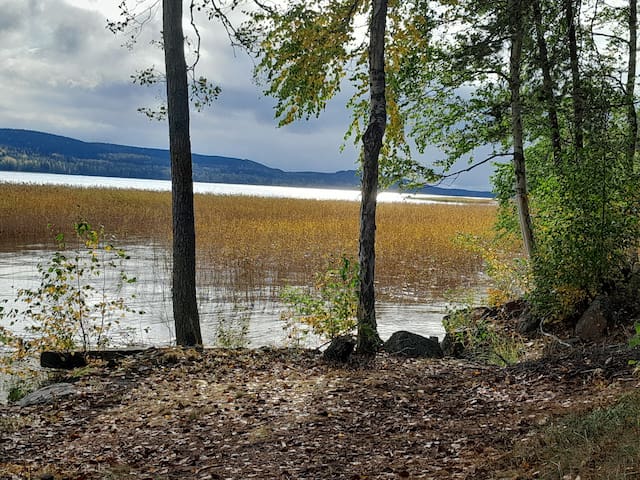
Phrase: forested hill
(31, 151)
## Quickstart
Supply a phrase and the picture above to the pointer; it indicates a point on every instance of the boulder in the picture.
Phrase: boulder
(451, 345)
(340, 349)
(62, 360)
(48, 394)
(412, 345)
(513, 309)
(592, 325)
(527, 323)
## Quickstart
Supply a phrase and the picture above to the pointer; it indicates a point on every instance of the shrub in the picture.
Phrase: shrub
(327, 310)
(74, 304)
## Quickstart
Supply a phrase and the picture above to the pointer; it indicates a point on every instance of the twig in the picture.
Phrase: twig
(553, 336)
(477, 164)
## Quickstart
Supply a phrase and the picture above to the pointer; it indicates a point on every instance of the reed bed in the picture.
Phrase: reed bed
(252, 242)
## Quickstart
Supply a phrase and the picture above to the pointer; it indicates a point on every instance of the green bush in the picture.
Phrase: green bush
(77, 301)
(327, 310)
(584, 211)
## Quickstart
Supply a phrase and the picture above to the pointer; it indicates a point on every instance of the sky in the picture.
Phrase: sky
(64, 72)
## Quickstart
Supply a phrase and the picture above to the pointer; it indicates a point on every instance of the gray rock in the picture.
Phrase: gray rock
(48, 394)
(527, 323)
(451, 345)
(412, 345)
(340, 349)
(593, 323)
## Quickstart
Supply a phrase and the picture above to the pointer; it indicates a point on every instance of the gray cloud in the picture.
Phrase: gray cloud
(63, 72)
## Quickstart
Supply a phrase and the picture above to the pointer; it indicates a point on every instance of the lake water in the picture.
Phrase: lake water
(220, 310)
(219, 188)
(259, 312)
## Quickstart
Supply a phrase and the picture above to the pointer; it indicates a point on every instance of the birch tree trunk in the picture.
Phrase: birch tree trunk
(368, 339)
(185, 308)
(632, 116)
(515, 65)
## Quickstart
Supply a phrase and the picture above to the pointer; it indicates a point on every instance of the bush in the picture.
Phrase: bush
(74, 304)
(327, 310)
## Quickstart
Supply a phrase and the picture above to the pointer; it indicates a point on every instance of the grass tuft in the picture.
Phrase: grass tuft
(599, 444)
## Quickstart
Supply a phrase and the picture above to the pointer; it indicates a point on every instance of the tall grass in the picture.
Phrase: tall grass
(265, 242)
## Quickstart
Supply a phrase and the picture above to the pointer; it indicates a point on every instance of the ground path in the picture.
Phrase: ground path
(282, 414)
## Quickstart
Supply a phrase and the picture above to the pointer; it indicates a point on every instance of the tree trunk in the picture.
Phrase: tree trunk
(576, 93)
(515, 65)
(547, 84)
(632, 116)
(368, 339)
(185, 307)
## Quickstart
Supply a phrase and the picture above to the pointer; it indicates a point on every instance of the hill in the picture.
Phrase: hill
(31, 151)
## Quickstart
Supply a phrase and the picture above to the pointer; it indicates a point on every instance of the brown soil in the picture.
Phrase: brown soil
(281, 414)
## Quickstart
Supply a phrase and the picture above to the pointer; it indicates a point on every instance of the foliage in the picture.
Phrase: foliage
(19, 390)
(483, 339)
(307, 51)
(329, 309)
(510, 273)
(232, 329)
(634, 341)
(585, 223)
(74, 303)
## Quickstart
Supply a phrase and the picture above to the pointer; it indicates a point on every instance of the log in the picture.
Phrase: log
(76, 359)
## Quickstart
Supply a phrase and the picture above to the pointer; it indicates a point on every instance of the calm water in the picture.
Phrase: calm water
(220, 309)
(216, 188)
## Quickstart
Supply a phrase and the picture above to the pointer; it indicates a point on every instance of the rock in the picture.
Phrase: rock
(63, 360)
(48, 394)
(412, 345)
(451, 345)
(513, 309)
(340, 349)
(527, 323)
(593, 323)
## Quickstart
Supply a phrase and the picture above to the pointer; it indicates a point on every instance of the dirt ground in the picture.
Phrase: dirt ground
(286, 414)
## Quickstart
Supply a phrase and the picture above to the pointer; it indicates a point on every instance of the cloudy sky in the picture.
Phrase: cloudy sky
(63, 72)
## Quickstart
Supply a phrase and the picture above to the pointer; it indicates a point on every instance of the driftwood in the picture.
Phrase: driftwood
(71, 360)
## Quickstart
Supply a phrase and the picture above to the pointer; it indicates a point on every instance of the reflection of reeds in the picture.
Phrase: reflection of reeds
(263, 243)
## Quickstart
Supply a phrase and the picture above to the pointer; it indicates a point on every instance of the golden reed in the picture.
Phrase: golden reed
(265, 241)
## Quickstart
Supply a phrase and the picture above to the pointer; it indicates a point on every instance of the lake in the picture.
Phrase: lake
(255, 310)
(223, 188)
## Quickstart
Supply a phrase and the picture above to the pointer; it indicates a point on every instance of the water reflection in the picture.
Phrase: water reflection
(220, 306)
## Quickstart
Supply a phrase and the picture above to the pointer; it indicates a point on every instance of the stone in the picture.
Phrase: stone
(527, 323)
(513, 309)
(451, 345)
(48, 394)
(340, 349)
(62, 360)
(409, 344)
(592, 325)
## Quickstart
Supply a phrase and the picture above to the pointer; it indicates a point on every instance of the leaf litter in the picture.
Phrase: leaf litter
(287, 414)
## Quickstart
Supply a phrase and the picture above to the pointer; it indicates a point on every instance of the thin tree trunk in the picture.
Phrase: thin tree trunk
(185, 307)
(547, 84)
(368, 339)
(515, 65)
(578, 101)
(632, 115)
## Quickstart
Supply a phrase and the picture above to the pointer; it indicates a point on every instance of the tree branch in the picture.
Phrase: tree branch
(471, 167)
